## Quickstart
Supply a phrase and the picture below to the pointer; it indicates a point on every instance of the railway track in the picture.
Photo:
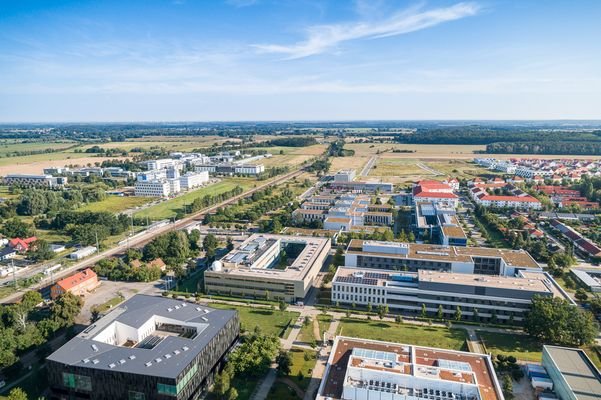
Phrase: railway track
(144, 239)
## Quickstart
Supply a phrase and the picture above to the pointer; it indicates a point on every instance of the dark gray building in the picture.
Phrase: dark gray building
(147, 348)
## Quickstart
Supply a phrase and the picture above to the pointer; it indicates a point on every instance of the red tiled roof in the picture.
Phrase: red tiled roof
(528, 199)
(76, 279)
(421, 193)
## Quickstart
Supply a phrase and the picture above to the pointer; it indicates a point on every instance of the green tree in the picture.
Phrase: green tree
(232, 394)
(284, 361)
(581, 295)
(209, 245)
(557, 321)
(65, 308)
(457, 314)
(424, 311)
(15, 228)
(41, 251)
(229, 244)
(440, 312)
(17, 394)
(338, 258)
(283, 306)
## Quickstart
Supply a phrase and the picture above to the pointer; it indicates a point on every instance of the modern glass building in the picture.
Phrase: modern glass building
(147, 348)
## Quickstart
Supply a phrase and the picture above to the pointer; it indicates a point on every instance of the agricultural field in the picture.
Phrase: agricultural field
(11, 146)
(175, 143)
(415, 150)
(413, 334)
(169, 208)
(289, 156)
(355, 162)
(35, 164)
(116, 204)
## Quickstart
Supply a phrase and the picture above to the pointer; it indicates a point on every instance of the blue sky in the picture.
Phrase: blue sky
(207, 60)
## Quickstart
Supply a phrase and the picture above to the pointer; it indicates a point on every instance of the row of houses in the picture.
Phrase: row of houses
(514, 197)
(581, 243)
(557, 170)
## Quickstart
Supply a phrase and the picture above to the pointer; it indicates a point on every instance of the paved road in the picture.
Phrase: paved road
(370, 164)
(140, 240)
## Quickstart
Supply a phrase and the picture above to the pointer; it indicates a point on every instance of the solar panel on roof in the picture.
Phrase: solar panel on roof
(455, 365)
(374, 354)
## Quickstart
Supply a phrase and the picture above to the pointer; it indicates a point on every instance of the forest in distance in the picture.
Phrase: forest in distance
(519, 137)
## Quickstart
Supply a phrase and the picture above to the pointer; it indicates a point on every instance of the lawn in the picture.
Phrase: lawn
(280, 391)
(168, 209)
(402, 333)
(101, 308)
(303, 362)
(306, 333)
(271, 322)
(521, 347)
(13, 146)
(116, 204)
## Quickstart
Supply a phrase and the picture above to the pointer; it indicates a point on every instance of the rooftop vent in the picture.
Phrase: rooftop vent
(198, 309)
(95, 361)
(176, 352)
(170, 309)
(148, 364)
(205, 319)
(185, 348)
(167, 356)
(158, 360)
(132, 357)
(112, 365)
(94, 347)
(85, 360)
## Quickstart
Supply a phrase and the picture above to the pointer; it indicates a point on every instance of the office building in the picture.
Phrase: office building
(574, 375)
(274, 266)
(146, 348)
(438, 221)
(413, 257)
(589, 278)
(490, 297)
(30, 180)
(361, 369)
(155, 188)
(193, 180)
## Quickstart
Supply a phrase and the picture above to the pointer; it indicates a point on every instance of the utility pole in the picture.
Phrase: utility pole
(12, 262)
(97, 245)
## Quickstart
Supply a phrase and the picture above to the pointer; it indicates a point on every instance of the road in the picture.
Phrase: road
(430, 170)
(142, 239)
(370, 164)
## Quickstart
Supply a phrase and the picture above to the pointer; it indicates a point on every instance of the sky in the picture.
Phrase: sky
(228, 60)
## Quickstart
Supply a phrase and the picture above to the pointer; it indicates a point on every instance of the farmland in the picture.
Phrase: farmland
(116, 204)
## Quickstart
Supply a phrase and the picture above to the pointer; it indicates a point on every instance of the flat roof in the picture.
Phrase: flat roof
(577, 369)
(168, 358)
(514, 258)
(419, 364)
(296, 271)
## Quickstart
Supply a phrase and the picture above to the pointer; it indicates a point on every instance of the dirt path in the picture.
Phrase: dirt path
(316, 329)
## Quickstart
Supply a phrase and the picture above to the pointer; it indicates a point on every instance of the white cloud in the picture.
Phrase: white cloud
(321, 38)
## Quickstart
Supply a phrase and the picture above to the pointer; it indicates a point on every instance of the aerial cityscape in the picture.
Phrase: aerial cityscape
(299, 200)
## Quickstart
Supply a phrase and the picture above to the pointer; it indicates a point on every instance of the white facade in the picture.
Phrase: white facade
(174, 186)
(245, 169)
(82, 253)
(192, 180)
(154, 188)
(345, 175)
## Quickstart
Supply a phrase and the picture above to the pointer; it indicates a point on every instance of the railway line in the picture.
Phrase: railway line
(143, 239)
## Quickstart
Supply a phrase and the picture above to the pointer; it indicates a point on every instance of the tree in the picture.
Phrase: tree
(65, 308)
(457, 314)
(232, 394)
(440, 312)
(31, 299)
(229, 244)
(581, 295)
(369, 307)
(424, 311)
(41, 251)
(557, 321)
(209, 245)
(283, 306)
(222, 384)
(15, 228)
(507, 387)
(284, 361)
(476, 315)
(17, 394)
(338, 258)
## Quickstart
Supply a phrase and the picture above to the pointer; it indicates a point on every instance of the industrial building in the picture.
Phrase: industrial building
(147, 348)
(574, 375)
(274, 266)
(360, 369)
(486, 297)
(413, 257)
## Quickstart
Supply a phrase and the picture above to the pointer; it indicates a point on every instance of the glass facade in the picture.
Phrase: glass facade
(174, 390)
(79, 382)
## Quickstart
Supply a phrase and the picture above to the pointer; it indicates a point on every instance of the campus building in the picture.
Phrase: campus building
(274, 266)
(80, 283)
(412, 257)
(438, 221)
(345, 180)
(361, 369)
(146, 348)
(344, 211)
(154, 188)
(574, 375)
(30, 180)
(483, 296)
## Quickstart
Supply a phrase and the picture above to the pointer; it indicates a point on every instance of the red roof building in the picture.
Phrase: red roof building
(79, 284)
(22, 245)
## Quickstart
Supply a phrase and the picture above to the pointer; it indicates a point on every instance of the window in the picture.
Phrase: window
(169, 390)
(78, 382)
(133, 395)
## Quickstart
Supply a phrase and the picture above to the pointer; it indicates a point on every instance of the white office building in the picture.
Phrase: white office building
(155, 188)
(192, 180)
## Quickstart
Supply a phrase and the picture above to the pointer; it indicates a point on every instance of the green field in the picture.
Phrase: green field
(116, 204)
(7, 147)
(169, 208)
(521, 347)
(306, 333)
(409, 334)
(271, 322)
